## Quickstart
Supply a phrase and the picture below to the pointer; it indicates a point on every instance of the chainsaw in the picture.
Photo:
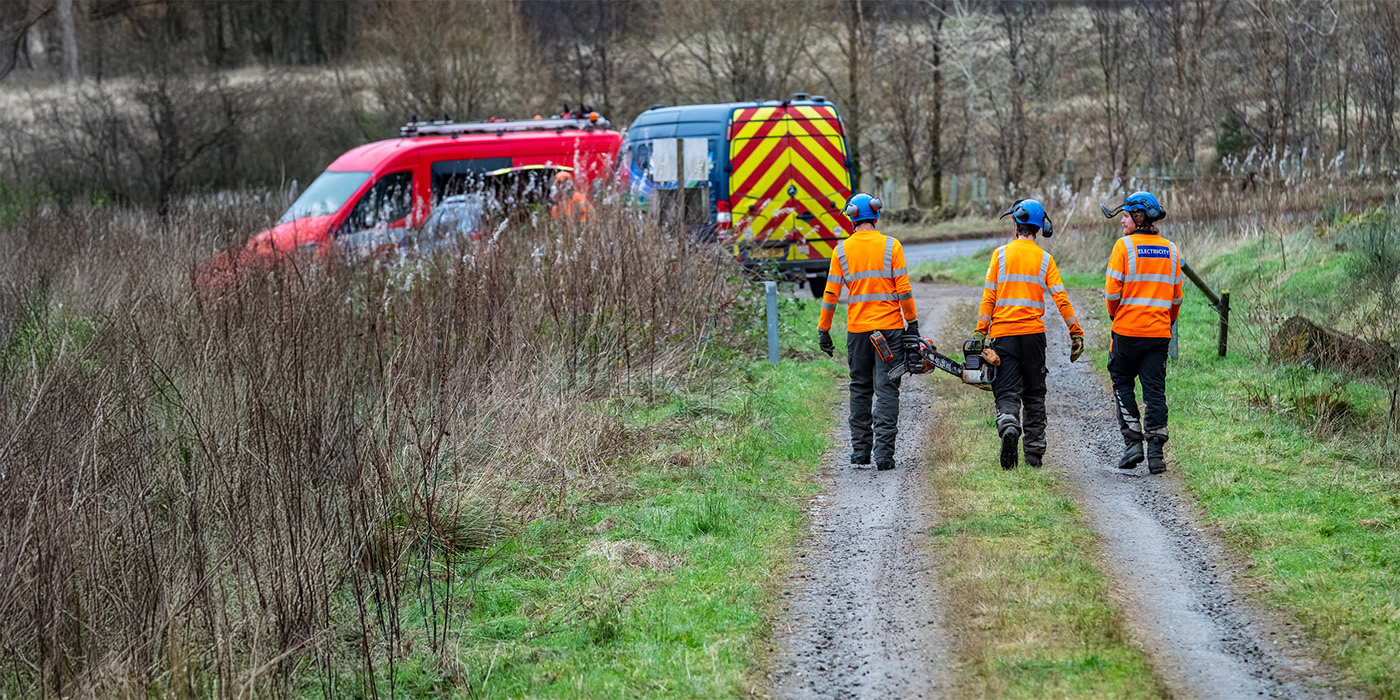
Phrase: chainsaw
(978, 368)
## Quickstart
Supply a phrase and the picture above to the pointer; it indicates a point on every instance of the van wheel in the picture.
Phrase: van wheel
(818, 285)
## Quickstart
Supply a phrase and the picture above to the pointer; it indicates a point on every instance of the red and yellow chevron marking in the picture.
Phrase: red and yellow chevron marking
(788, 178)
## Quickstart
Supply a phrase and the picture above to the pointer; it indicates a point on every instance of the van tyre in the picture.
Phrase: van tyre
(818, 285)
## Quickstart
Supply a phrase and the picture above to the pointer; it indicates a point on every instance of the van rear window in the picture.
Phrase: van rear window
(326, 195)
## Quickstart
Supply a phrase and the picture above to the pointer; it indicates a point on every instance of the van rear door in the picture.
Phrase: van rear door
(789, 182)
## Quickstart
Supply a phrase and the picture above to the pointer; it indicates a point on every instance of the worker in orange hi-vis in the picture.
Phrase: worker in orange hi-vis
(1019, 278)
(1142, 286)
(568, 201)
(880, 316)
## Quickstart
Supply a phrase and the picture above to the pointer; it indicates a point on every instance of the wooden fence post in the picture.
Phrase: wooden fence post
(1224, 310)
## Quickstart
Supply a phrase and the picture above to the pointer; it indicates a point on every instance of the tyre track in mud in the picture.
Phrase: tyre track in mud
(1174, 582)
(863, 613)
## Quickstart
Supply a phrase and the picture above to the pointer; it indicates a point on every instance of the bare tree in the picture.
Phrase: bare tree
(428, 59)
(17, 22)
(1116, 51)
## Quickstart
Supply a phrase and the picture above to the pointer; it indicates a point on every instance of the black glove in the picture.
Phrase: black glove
(824, 342)
(913, 356)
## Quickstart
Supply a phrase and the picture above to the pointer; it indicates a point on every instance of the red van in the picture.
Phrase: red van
(395, 183)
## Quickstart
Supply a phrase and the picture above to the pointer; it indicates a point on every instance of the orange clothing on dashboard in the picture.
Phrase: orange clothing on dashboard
(1143, 285)
(1013, 295)
(870, 265)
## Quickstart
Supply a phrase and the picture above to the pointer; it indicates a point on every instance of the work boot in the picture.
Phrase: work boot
(1132, 456)
(860, 458)
(1156, 459)
(884, 464)
(1009, 438)
(1033, 460)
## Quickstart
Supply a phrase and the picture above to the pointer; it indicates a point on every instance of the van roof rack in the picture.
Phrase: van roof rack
(448, 127)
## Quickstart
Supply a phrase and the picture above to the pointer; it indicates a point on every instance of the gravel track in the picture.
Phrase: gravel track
(1174, 581)
(864, 610)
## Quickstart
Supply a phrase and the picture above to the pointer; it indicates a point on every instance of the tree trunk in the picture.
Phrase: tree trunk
(855, 36)
(935, 119)
(1301, 341)
(70, 40)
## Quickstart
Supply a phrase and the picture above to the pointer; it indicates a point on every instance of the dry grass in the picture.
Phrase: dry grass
(233, 496)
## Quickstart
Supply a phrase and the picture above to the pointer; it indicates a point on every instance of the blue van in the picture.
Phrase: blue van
(768, 178)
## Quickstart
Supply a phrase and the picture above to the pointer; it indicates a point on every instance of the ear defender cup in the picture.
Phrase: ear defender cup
(852, 211)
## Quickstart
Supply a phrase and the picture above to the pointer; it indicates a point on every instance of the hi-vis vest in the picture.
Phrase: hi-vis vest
(871, 268)
(1013, 295)
(1143, 285)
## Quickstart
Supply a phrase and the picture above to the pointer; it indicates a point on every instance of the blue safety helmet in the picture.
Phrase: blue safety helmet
(863, 207)
(1141, 200)
(1029, 211)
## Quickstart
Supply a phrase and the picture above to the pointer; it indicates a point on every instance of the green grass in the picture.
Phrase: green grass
(661, 588)
(1028, 607)
(972, 270)
(951, 230)
(1283, 459)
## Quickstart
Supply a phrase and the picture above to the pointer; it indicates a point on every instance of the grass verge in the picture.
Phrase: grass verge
(962, 228)
(660, 589)
(1283, 460)
(1029, 609)
(972, 270)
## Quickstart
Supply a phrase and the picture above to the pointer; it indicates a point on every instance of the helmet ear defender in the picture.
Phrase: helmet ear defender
(1020, 214)
(852, 210)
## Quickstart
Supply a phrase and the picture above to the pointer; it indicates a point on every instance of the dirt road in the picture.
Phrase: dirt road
(1174, 581)
(863, 611)
(863, 617)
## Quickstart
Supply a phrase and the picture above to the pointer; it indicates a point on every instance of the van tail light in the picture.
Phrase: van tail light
(724, 222)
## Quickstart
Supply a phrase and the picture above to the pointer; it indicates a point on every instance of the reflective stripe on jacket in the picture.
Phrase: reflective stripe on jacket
(870, 266)
(1013, 294)
(1143, 285)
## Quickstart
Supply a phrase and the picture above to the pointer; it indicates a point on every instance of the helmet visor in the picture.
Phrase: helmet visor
(1112, 207)
(1011, 209)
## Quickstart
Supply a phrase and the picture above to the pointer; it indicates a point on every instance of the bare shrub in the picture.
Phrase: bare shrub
(260, 487)
(431, 58)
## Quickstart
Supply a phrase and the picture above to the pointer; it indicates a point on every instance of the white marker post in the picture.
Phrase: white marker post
(771, 288)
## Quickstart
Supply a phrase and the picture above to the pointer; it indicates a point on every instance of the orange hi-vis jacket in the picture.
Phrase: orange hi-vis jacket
(1013, 296)
(576, 206)
(1143, 285)
(870, 265)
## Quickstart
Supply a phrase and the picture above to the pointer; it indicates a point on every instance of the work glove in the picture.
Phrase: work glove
(913, 356)
(982, 337)
(824, 342)
(1076, 346)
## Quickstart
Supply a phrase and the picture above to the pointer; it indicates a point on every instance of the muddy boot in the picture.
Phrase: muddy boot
(884, 464)
(1132, 456)
(1009, 438)
(860, 458)
(1032, 460)
(1156, 460)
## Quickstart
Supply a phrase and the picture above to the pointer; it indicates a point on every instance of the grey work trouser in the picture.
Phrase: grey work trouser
(869, 379)
(1020, 388)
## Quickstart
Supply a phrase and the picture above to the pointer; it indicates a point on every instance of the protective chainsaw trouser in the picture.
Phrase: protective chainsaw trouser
(1145, 360)
(869, 381)
(1019, 388)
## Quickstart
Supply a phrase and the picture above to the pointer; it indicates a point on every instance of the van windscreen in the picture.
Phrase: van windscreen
(326, 195)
